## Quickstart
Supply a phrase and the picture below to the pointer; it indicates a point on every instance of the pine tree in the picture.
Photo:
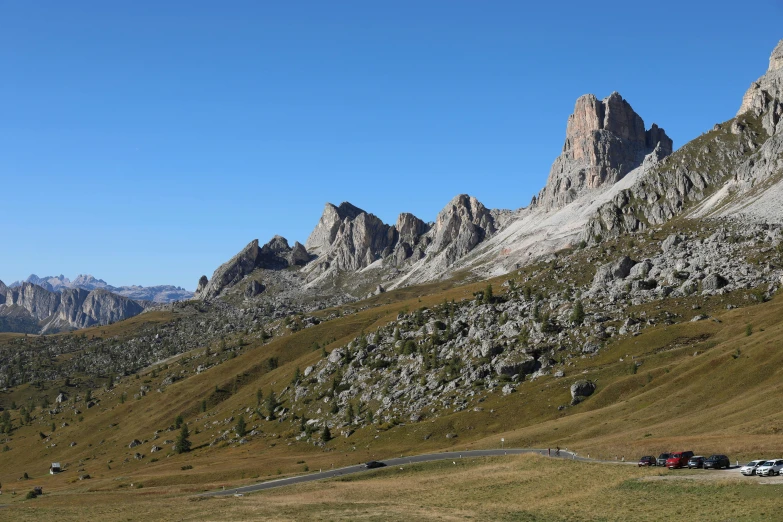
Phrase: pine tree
(182, 445)
(271, 403)
(326, 435)
(488, 294)
(578, 313)
(241, 428)
(259, 397)
(178, 422)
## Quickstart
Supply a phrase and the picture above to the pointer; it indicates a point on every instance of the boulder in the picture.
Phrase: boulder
(253, 289)
(670, 242)
(713, 282)
(582, 388)
(620, 269)
(640, 270)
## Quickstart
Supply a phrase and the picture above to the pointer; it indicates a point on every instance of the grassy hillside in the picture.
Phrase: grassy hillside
(710, 386)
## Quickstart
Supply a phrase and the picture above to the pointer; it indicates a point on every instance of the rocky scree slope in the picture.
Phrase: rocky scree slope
(155, 294)
(34, 309)
(432, 362)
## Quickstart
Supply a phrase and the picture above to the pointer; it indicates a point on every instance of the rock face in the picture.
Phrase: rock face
(70, 308)
(322, 237)
(731, 170)
(460, 226)
(605, 140)
(275, 255)
(350, 239)
(765, 95)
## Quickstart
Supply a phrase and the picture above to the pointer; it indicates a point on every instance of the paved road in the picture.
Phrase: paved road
(451, 455)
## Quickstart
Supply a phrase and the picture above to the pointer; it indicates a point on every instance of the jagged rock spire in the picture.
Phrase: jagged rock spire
(605, 140)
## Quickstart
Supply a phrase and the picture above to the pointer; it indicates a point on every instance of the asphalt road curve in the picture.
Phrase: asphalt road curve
(400, 461)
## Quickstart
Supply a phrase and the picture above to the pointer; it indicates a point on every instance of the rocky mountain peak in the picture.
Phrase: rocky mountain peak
(776, 58)
(765, 95)
(275, 255)
(605, 140)
(322, 236)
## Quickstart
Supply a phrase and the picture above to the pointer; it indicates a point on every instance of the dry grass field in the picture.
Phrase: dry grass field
(706, 386)
(510, 488)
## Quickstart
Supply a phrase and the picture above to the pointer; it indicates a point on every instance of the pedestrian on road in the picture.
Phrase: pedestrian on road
(557, 452)
(549, 451)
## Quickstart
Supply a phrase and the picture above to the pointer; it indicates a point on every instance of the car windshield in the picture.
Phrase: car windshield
(755, 463)
(664, 456)
(675, 456)
(769, 463)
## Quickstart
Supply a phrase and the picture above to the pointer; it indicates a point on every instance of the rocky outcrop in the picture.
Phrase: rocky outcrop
(459, 227)
(765, 95)
(231, 272)
(275, 255)
(411, 240)
(605, 140)
(70, 308)
(322, 237)
(359, 241)
(202, 284)
(733, 169)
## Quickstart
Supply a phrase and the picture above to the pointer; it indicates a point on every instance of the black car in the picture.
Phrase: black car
(647, 460)
(717, 462)
(662, 459)
(696, 462)
(374, 464)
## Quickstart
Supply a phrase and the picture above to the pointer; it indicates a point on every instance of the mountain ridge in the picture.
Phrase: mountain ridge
(156, 294)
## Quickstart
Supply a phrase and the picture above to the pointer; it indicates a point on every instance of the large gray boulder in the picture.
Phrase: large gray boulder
(581, 389)
(609, 272)
(713, 282)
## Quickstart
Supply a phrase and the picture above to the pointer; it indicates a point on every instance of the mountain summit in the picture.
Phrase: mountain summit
(605, 140)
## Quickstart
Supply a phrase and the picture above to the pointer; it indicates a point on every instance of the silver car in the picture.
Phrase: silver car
(770, 467)
(750, 468)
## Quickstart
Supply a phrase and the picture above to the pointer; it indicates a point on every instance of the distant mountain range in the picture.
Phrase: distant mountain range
(155, 294)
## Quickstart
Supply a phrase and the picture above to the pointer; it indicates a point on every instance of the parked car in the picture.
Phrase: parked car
(770, 467)
(750, 468)
(648, 460)
(374, 464)
(678, 459)
(717, 462)
(662, 459)
(697, 461)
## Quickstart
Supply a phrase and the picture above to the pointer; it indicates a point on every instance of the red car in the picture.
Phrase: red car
(679, 459)
(647, 461)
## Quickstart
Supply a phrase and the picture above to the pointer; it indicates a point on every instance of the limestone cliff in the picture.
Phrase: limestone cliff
(605, 140)
(44, 311)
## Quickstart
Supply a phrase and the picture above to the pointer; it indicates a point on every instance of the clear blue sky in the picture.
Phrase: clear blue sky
(147, 142)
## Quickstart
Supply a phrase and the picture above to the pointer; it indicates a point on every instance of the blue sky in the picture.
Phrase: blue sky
(147, 143)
